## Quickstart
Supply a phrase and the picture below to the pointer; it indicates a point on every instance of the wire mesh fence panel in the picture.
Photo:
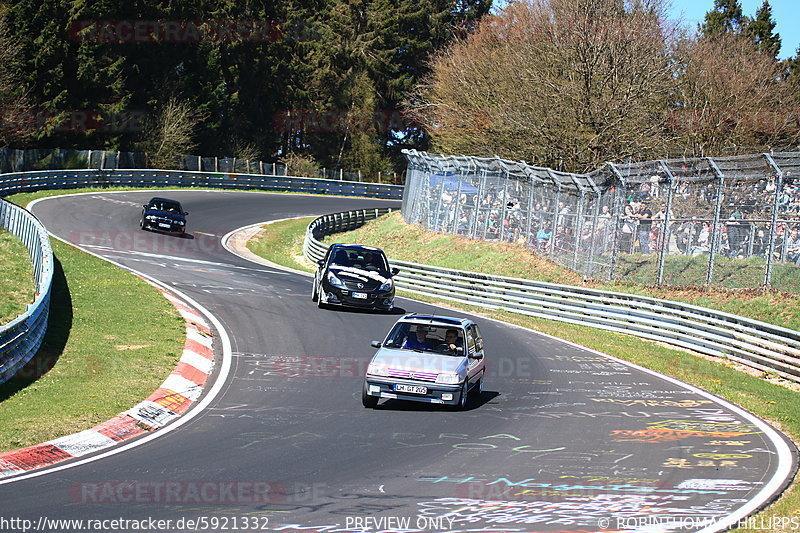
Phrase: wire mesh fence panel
(731, 222)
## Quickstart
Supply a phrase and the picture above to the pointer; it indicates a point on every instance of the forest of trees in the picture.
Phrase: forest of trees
(316, 79)
(572, 84)
(349, 83)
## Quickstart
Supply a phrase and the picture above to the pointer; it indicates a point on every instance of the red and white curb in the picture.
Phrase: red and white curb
(172, 399)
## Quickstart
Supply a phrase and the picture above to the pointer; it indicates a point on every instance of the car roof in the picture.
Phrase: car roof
(435, 320)
(167, 200)
(357, 247)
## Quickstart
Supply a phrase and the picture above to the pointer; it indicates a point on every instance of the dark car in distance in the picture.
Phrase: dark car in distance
(163, 214)
(353, 275)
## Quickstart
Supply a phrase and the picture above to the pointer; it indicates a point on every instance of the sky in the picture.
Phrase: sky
(786, 13)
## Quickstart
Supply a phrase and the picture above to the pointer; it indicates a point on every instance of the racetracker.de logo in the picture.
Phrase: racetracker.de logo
(176, 31)
(179, 492)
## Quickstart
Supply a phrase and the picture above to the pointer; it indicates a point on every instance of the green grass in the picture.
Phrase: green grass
(17, 287)
(777, 404)
(111, 341)
(728, 272)
(275, 239)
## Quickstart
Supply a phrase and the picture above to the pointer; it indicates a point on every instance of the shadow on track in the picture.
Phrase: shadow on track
(474, 402)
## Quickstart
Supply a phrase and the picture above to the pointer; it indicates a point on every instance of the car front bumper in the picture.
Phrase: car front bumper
(158, 226)
(374, 300)
(383, 387)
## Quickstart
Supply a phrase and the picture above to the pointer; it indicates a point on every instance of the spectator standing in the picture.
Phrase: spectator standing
(645, 218)
(628, 227)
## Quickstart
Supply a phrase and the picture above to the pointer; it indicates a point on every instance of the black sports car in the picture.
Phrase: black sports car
(162, 214)
(354, 276)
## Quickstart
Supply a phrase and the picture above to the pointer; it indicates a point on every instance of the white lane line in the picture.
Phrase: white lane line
(178, 259)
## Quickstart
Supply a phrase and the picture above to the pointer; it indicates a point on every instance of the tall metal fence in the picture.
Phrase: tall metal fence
(14, 160)
(730, 221)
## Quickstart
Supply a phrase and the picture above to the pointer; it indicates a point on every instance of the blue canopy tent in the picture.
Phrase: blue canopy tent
(451, 182)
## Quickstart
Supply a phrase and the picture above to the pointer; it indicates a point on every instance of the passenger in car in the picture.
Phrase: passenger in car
(418, 341)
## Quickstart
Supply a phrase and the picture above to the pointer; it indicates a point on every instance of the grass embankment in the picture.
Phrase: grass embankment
(111, 341)
(274, 240)
(17, 287)
(774, 403)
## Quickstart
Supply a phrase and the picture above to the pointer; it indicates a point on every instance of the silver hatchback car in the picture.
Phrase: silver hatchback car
(427, 358)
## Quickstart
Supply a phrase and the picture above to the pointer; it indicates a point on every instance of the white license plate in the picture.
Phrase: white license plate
(160, 225)
(413, 389)
(360, 295)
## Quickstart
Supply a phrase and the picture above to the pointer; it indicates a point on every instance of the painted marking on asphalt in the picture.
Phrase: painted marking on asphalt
(181, 259)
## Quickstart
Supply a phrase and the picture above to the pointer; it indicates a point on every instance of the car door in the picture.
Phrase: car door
(475, 361)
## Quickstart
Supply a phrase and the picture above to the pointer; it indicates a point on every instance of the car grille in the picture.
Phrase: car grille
(366, 285)
(407, 374)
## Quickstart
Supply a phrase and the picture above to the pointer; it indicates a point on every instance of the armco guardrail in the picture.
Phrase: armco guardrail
(756, 344)
(71, 179)
(20, 339)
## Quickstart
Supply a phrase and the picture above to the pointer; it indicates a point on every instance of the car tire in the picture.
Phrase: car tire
(370, 402)
(314, 292)
(463, 400)
(478, 388)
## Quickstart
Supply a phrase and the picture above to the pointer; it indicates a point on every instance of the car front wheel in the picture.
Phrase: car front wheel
(370, 402)
(462, 401)
(314, 292)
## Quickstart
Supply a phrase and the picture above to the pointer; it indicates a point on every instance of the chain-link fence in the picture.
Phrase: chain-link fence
(13, 160)
(730, 221)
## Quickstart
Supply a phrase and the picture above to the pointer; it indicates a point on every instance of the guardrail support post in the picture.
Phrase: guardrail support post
(618, 210)
(665, 234)
(715, 232)
(774, 217)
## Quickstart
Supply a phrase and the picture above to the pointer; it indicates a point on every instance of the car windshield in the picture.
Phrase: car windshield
(163, 205)
(363, 259)
(426, 338)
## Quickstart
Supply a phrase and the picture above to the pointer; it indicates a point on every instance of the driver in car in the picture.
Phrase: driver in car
(451, 343)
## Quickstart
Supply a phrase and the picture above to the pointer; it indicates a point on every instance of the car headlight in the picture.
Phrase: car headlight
(448, 378)
(378, 369)
(336, 282)
(386, 286)
(181, 222)
(150, 217)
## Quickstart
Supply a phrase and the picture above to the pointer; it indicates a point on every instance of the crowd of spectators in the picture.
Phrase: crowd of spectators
(507, 212)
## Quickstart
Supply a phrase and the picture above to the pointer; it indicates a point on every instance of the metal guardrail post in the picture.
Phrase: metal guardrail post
(774, 222)
(556, 213)
(457, 206)
(438, 206)
(503, 208)
(529, 216)
(665, 233)
(589, 269)
(617, 214)
(715, 233)
(475, 214)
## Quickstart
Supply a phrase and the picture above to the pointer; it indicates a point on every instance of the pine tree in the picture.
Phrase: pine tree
(761, 30)
(725, 17)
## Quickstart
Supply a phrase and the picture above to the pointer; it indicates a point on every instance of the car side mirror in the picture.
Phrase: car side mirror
(320, 262)
(395, 271)
(144, 206)
(476, 356)
(185, 213)
(376, 344)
